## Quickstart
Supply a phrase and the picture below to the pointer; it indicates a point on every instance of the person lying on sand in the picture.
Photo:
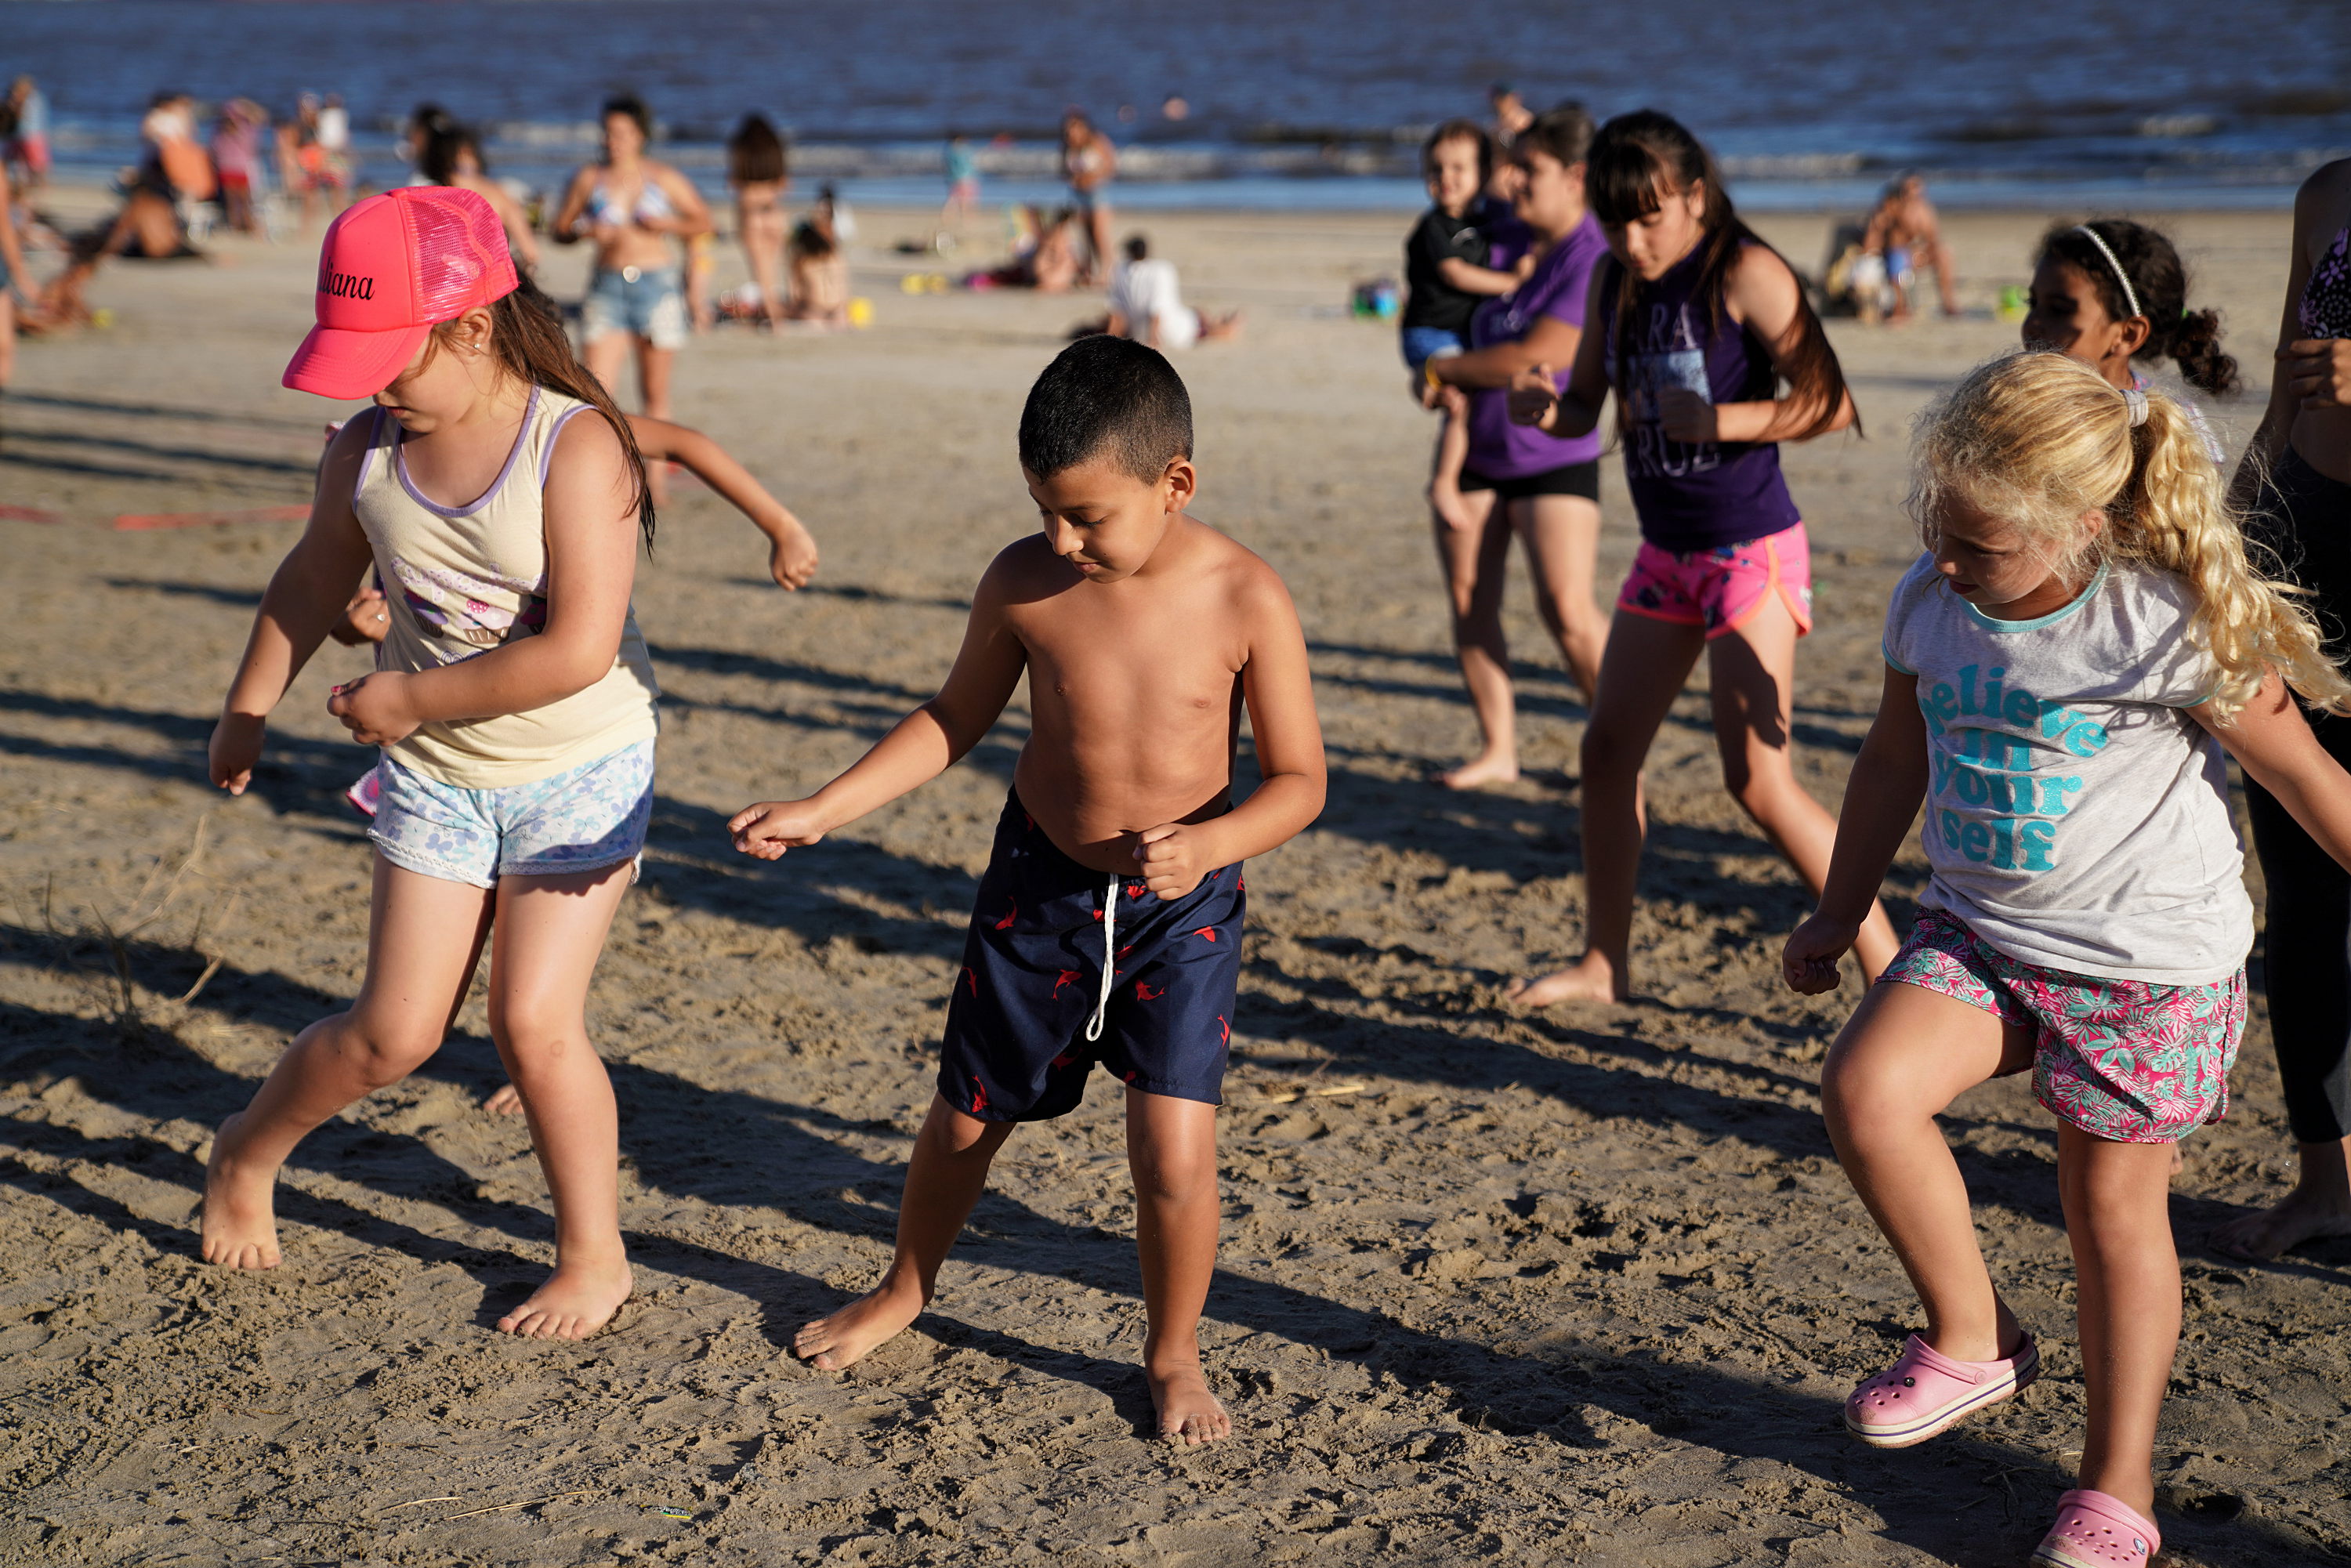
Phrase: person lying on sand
(1108, 925)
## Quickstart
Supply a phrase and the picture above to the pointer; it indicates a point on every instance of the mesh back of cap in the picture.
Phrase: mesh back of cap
(461, 253)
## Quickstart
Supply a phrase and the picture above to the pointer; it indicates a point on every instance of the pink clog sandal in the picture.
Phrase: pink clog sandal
(2094, 1531)
(1925, 1392)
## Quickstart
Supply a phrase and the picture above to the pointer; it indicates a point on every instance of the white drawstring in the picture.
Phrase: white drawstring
(1110, 956)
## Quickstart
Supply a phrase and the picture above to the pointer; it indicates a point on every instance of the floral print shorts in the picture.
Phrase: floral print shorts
(2122, 1059)
(591, 816)
(1721, 590)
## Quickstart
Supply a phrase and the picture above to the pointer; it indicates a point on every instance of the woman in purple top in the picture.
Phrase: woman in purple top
(1701, 324)
(1544, 489)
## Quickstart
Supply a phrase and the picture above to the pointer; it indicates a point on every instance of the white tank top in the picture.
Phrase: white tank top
(460, 581)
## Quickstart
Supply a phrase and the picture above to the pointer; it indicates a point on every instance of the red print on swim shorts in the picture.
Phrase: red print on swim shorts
(971, 977)
(1011, 915)
(1207, 931)
(1143, 993)
(1068, 978)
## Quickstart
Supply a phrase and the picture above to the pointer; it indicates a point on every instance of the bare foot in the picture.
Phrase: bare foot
(1188, 1413)
(838, 1341)
(1481, 771)
(240, 1225)
(1591, 979)
(2298, 1218)
(505, 1101)
(577, 1299)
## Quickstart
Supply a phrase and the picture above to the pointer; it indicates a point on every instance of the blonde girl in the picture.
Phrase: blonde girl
(2065, 668)
(512, 699)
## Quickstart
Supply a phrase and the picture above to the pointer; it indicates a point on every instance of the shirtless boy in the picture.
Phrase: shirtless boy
(1144, 633)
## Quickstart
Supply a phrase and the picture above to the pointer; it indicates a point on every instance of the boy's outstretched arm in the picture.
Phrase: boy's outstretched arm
(2272, 742)
(1881, 801)
(1280, 694)
(921, 746)
(791, 553)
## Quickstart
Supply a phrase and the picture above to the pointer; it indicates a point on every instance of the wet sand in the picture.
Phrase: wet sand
(1580, 1287)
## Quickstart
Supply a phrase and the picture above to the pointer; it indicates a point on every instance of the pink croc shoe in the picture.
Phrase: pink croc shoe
(2094, 1531)
(1925, 1392)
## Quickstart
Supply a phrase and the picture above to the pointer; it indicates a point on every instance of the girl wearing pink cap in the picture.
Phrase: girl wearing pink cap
(512, 699)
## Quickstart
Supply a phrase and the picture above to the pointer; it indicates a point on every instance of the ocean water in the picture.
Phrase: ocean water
(2116, 103)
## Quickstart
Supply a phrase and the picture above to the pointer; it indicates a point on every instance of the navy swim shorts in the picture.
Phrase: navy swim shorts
(1015, 1047)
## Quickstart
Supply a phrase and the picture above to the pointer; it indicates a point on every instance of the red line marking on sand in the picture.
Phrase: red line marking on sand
(30, 515)
(134, 521)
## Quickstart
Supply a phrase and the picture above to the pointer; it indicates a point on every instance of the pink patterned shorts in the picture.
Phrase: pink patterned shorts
(1721, 589)
(2121, 1060)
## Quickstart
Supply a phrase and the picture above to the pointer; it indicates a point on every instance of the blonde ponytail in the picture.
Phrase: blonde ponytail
(2039, 441)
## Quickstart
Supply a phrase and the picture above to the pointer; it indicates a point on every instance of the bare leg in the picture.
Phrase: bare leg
(423, 936)
(1171, 1146)
(1752, 671)
(944, 1179)
(653, 367)
(2319, 1204)
(1452, 455)
(548, 935)
(1562, 536)
(1907, 1053)
(606, 356)
(7, 331)
(1938, 256)
(1474, 559)
(2118, 1222)
(1640, 676)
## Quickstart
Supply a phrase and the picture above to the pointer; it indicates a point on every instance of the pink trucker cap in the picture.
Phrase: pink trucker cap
(392, 267)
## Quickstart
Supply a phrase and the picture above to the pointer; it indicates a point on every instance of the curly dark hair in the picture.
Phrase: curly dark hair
(2189, 338)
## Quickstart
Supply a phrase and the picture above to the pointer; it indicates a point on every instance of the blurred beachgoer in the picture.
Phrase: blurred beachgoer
(1702, 326)
(701, 267)
(1511, 116)
(1904, 232)
(759, 168)
(28, 146)
(1542, 488)
(1146, 304)
(318, 170)
(2068, 669)
(2099, 291)
(2296, 480)
(963, 184)
(415, 131)
(1087, 163)
(15, 283)
(452, 155)
(817, 269)
(1446, 273)
(632, 207)
(1044, 255)
(236, 154)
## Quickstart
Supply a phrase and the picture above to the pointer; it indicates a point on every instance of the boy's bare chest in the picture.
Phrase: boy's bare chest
(1155, 660)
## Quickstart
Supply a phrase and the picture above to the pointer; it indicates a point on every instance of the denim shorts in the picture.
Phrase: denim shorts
(652, 304)
(1422, 344)
(586, 818)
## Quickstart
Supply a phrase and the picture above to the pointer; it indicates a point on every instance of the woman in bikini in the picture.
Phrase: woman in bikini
(632, 208)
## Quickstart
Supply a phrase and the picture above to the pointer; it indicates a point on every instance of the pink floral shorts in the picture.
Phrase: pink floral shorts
(1721, 589)
(2121, 1060)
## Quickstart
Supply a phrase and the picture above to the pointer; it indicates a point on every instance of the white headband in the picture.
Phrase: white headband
(2135, 401)
(2130, 295)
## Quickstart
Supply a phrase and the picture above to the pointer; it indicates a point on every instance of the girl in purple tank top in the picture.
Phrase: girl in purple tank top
(1698, 324)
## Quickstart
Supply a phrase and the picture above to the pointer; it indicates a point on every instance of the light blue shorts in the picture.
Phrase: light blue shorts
(593, 816)
(650, 303)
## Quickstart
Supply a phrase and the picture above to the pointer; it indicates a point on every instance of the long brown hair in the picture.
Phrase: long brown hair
(1639, 159)
(528, 337)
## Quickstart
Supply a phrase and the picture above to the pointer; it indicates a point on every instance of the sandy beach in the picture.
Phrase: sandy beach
(1578, 1287)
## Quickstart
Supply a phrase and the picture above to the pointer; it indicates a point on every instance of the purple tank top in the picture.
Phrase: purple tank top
(1704, 494)
(1558, 287)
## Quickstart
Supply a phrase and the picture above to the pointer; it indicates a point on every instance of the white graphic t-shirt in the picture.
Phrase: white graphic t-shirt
(2077, 819)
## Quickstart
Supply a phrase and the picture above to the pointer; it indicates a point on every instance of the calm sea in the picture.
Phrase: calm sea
(1291, 102)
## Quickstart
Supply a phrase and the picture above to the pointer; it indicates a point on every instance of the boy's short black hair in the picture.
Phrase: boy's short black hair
(1106, 397)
